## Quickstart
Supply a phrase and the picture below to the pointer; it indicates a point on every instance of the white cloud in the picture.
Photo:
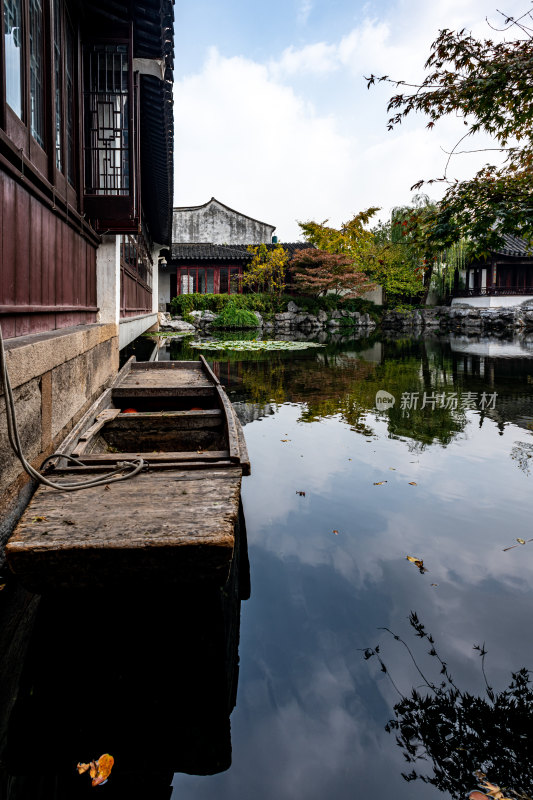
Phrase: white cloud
(300, 137)
(319, 58)
(304, 9)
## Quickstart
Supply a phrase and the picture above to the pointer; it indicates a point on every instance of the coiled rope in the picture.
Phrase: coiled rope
(114, 476)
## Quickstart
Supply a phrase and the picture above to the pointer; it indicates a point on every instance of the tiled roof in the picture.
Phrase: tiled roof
(515, 247)
(225, 252)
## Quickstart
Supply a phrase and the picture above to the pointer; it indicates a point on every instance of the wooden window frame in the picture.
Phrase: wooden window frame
(42, 159)
(18, 128)
(116, 213)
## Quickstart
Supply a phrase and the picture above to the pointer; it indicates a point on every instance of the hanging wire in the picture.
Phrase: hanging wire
(135, 465)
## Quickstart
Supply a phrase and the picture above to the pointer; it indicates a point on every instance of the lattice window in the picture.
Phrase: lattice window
(58, 74)
(70, 104)
(107, 98)
(135, 256)
(36, 71)
(13, 54)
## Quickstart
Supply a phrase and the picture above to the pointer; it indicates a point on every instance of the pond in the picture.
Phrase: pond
(390, 545)
(341, 493)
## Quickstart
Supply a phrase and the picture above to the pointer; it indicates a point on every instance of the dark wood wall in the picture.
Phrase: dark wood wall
(135, 295)
(47, 270)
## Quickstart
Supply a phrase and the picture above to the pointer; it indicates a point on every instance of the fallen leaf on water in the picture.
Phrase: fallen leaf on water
(520, 541)
(418, 563)
(412, 483)
(336, 533)
(284, 440)
(393, 469)
(38, 519)
(492, 790)
(301, 494)
(434, 584)
(107, 488)
(100, 770)
(105, 765)
(380, 483)
(68, 522)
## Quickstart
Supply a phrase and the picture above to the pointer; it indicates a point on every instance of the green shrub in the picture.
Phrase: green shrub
(232, 316)
(269, 304)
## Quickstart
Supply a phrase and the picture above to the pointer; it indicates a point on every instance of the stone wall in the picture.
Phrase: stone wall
(462, 318)
(286, 322)
(55, 377)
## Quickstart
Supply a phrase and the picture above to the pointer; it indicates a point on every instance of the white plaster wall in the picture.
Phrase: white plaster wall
(108, 280)
(491, 301)
(216, 224)
(164, 289)
(375, 295)
(132, 327)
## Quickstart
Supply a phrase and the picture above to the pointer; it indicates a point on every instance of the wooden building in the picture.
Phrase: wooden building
(505, 278)
(86, 157)
(209, 268)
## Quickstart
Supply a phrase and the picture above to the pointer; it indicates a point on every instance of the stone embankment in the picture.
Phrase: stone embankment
(292, 320)
(462, 318)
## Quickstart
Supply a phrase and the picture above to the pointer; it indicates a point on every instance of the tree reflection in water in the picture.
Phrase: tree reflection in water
(458, 734)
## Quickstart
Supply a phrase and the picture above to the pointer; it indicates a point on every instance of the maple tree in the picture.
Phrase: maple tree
(316, 272)
(490, 85)
(370, 256)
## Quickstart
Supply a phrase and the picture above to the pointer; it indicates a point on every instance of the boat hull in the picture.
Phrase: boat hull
(175, 521)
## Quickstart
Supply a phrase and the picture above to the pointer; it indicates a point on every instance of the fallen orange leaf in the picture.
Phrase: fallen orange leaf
(104, 767)
(380, 483)
(336, 533)
(99, 770)
(418, 563)
(412, 483)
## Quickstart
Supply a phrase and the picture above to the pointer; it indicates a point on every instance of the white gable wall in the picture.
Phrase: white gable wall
(215, 223)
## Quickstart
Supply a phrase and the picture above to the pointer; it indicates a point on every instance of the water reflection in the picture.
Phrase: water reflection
(149, 676)
(448, 734)
(330, 568)
(341, 492)
(434, 380)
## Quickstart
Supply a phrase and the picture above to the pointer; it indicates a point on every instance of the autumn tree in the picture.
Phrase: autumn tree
(317, 272)
(370, 253)
(266, 270)
(489, 84)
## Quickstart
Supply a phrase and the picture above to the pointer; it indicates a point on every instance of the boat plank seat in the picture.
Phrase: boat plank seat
(164, 380)
(156, 458)
(178, 523)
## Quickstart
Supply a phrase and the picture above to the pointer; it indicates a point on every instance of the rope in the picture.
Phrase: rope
(114, 476)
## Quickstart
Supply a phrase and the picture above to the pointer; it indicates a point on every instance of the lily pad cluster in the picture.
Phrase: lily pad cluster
(253, 345)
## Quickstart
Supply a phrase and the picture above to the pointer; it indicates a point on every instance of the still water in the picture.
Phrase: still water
(340, 494)
(359, 513)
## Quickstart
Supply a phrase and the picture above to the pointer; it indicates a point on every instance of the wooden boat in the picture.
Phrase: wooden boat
(175, 520)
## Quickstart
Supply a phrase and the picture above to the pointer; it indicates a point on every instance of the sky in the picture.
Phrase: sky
(273, 116)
